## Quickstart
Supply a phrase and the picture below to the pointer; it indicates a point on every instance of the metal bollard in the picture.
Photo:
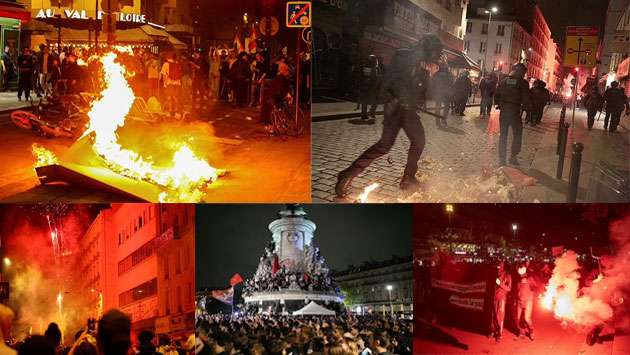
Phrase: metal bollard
(560, 129)
(562, 148)
(574, 172)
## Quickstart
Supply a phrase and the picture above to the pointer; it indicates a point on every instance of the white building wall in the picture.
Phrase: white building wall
(473, 40)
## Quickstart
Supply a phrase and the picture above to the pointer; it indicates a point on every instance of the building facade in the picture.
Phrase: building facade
(346, 32)
(382, 287)
(139, 258)
(616, 42)
(516, 32)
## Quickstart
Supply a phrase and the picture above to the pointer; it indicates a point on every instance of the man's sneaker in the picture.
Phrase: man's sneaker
(344, 180)
(530, 335)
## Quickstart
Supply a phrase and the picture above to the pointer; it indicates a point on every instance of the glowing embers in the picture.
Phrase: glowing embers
(182, 176)
(43, 156)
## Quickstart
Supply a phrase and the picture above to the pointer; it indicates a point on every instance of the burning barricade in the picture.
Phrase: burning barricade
(99, 159)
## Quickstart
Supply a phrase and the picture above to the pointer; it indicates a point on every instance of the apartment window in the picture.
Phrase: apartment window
(466, 46)
(501, 30)
(166, 269)
(484, 29)
(135, 258)
(498, 49)
(469, 27)
(138, 293)
(482, 47)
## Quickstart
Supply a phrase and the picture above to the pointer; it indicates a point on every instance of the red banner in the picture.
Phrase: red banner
(582, 31)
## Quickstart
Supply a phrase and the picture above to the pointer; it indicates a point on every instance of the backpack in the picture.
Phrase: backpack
(175, 71)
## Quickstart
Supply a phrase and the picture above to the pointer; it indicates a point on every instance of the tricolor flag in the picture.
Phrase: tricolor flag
(235, 280)
(226, 296)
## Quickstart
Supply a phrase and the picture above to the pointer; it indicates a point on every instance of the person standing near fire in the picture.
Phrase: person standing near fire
(525, 303)
(503, 285)
(401, 86)
(172, 73)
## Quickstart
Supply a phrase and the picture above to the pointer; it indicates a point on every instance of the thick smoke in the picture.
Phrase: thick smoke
(36, 276)
(605, 299)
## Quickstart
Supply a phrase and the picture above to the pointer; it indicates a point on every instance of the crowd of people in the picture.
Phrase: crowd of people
(182, 81)
(110, 335)
(316, 335)
(285, 279)
(514, 286)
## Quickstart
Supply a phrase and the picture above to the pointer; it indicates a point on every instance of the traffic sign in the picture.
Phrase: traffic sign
(299, 14)
(269, 23)
(581, 46)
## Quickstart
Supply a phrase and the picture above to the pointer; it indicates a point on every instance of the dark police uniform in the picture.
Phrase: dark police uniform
(512, 95)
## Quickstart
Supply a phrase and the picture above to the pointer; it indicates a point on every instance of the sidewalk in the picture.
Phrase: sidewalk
(9, 102)
(599, 146)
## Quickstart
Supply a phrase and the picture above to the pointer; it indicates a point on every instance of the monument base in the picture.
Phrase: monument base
(289, 301)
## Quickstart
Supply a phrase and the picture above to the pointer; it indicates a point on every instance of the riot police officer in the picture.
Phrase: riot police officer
(401, 87)
(512, 96)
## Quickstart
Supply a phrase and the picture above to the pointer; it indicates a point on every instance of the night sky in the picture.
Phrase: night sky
(561, 223)
(231, 238)
(563, 13)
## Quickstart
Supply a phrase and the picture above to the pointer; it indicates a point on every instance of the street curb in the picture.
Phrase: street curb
(345, 115)
(26, 108)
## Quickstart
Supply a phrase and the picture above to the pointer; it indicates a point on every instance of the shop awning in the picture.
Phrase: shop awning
(457, 59)
(162, 35)
(15, 11)
(130, 36)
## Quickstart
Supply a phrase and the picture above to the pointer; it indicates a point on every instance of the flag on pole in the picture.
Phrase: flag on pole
(238, 44)
(226, 296)
(276, 265)
(235, 280)
(252, 46)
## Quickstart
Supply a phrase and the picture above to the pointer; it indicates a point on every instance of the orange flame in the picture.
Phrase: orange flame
(363, 197)
(187, 176)
(43, 156)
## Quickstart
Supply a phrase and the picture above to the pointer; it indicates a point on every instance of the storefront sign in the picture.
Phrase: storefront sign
(82, 15)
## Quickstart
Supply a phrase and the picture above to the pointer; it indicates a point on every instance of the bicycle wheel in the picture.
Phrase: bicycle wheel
(281, 122)
(23, 119)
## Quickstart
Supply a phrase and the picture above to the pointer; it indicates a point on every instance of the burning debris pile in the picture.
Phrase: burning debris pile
(598, 301)
(438, 184)
(183, 179)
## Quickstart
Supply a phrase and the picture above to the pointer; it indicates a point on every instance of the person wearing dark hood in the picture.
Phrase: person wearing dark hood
(540, 98)
(462, 90)
(616, 100)
(524, 303)
(503, 285)
(511, 97)
(594, 102)
(370, 84)
(401, 91)
(26, 67)
(487, 87)
(440, 87)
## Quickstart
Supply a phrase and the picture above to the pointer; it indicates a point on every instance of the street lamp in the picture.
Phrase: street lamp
(6, 261)
(514, 229)
(449, 211)
(493, 10)
(389, 289)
